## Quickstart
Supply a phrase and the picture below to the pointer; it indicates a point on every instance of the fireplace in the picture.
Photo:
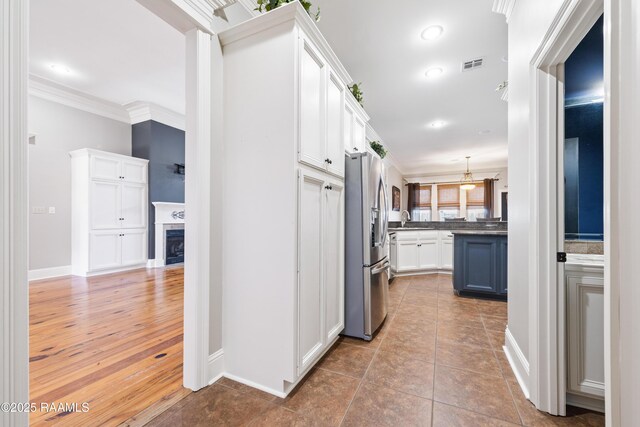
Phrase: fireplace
(174, 243)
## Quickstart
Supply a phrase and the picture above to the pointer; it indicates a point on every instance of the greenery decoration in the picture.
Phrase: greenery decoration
(378, 148)
(268, 5)
(357, 93)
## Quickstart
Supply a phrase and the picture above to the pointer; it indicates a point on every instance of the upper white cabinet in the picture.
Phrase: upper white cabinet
(283, 281)
(108, 212)
(355, 126)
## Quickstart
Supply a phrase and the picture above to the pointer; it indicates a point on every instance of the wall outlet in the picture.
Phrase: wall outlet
(52, 209)
(38, 210)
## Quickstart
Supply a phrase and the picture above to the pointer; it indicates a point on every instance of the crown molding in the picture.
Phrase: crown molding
(143, 111)
(54, 92)
(504, 7)
(250, 6)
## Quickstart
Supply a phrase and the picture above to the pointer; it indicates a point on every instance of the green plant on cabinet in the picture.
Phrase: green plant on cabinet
(356, 92)
(378, 148)
(267, 5)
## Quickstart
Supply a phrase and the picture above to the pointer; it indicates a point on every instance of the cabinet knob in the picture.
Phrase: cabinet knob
(328, 161)
(328, 187)
(355, 148)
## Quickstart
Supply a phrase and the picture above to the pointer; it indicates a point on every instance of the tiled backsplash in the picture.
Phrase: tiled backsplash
(583, 247)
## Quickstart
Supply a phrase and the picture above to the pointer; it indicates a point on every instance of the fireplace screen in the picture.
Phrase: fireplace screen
(175, 247)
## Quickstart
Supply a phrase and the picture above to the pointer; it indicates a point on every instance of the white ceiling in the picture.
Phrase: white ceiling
(380, 45)
(116, 49)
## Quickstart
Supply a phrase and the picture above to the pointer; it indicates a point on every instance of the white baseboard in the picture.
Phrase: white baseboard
(590, 403)
(216, 366)
(255, 385)
(518, 362)
(47, 273)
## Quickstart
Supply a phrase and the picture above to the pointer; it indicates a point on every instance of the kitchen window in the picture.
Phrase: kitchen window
(422, 210)
(448, 201)
(475, 203)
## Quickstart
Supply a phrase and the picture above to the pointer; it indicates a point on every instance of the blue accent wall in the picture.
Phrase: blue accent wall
(163, 146)
(584, 163)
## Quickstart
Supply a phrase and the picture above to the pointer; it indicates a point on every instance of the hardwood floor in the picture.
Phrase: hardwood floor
(112, 341)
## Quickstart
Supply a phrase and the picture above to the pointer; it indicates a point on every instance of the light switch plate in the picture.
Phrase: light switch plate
(38, 210)
(52, 209)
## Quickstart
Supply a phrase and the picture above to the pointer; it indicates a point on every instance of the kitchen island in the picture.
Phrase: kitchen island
(480, 263)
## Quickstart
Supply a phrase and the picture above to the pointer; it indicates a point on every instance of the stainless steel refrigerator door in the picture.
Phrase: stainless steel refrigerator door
(376, 295)
(375, 209)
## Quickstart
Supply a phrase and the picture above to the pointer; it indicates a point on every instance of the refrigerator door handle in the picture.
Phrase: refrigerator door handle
(380, 269)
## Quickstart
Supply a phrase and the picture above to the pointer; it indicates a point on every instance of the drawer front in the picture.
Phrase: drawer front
(428, 235)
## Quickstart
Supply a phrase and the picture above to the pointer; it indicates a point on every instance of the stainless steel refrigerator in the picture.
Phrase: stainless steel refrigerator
(366, 261)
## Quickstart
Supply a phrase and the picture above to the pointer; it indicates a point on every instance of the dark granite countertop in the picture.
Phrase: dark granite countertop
(394, 226)
(481, 232)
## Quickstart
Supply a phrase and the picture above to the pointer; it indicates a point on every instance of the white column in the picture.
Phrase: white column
(198, 202)
(622, 229)
(14, 307)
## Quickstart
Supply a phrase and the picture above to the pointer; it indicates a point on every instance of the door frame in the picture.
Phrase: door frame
(203, 144)
(546, 291)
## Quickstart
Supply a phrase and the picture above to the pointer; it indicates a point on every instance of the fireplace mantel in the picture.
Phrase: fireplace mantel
(169, 216)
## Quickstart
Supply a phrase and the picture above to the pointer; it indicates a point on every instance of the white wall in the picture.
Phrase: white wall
(60, 129)
(500, 186)
(394, 178)
(528, 24)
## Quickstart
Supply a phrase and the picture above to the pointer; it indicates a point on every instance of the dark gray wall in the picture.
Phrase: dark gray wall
(163, 146)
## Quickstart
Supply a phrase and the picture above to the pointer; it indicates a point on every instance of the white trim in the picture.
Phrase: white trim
(292, 11)
(546, 335)
(517, 361)
(47, 273)
(504, 7)
(585, 402)
(140, 111)
(256, 385)
(250, 6)
(215, 366)
(54, 92)
(14, 299)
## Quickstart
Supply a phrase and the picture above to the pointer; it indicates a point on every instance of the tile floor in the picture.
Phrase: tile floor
(437, 361)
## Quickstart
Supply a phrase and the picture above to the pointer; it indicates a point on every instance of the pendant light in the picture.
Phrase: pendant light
(466, 183)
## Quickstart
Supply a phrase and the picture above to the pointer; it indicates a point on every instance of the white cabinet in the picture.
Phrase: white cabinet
(321, 108)
(585, 335)
(355, 126)
(108, 212)
(446, 250)
(321, 281)
(283, 280)
(427, 250)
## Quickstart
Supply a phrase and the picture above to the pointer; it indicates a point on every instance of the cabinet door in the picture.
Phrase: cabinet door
(133, 206)
(311, 271)
(585, 330)
(335, 133)
(349, 146)
(359, 131)
(428, 254)
(105, 205)
(480, 263)
(134, 171)
(407, 255)
(105, 168)
(104, 250)
(503, 277)
(334, 260)
(134, 247)
(393, 252)
(446, 250)
(312, 107)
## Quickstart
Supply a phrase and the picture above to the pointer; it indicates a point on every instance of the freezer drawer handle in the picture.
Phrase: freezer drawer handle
(380, 269)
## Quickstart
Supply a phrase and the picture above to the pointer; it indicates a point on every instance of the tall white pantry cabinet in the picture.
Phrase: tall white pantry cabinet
(108, 212)
(283, 198)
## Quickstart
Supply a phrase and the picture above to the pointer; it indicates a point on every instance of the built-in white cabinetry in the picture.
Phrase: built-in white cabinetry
(355, 119)
(425, 250)
(283, 198)
(108, 212)
(584, 280)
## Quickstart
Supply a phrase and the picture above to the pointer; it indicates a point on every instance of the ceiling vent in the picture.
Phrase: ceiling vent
(472, 64)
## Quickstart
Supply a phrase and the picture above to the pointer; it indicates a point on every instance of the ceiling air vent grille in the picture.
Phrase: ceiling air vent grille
(472, 64)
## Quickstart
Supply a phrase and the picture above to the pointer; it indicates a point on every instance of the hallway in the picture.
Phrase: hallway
(437, 360)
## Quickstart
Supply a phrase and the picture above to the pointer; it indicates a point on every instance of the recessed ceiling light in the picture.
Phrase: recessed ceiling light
(434, 72)
(60, 69)
(432, 32)
(438, 124)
